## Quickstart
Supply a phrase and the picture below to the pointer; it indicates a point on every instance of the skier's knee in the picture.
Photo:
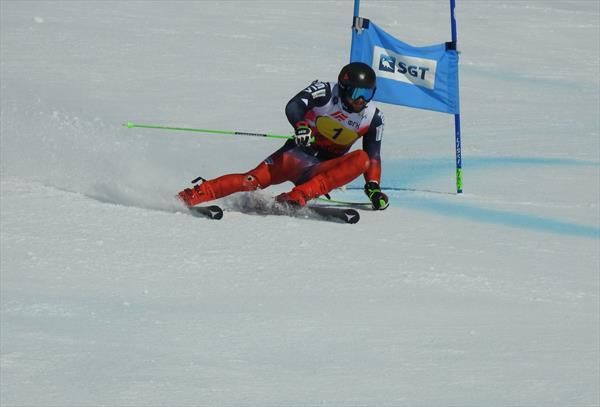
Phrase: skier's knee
(250, 182)
(361, 159)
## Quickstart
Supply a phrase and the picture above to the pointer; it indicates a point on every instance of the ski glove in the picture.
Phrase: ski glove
(303, 134)
(379, 200)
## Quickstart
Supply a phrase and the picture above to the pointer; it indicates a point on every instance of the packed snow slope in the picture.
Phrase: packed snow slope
(112, 295)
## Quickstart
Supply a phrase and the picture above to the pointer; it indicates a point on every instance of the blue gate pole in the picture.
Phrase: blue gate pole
(356, 13)
(459, 183)
(356, 8)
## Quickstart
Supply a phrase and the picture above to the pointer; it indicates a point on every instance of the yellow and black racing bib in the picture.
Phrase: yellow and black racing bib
(335, 131)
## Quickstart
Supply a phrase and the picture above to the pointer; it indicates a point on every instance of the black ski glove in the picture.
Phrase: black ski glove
(378, 199)
(303, 134)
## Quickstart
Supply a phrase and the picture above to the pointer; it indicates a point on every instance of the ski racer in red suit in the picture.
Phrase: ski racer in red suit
(328, 118)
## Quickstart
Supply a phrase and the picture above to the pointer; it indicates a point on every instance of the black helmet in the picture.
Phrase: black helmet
(357, 80)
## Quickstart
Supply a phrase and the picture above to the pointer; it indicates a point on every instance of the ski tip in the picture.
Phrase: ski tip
(216, 212)
(352, 216)
(211, 212)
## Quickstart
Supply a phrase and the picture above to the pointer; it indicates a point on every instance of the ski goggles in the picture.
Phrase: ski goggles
(357, 93)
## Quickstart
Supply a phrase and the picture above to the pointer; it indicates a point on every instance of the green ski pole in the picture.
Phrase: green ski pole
(131, 125)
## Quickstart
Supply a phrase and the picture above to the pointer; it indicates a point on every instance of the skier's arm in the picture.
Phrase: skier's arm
(317, 94)
(372, 146)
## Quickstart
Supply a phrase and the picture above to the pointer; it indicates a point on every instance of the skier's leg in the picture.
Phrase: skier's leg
(289, 163)
(209, 190)
(286, 164)
(328, 175)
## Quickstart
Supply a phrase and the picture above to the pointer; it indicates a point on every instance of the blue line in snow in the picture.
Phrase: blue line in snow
(412, 173)
(499, 217)
(478, 161)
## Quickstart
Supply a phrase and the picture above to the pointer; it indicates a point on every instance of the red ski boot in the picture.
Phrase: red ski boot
(294, 198)
(193, 196)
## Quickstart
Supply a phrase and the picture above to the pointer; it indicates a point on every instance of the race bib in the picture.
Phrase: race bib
(335, 131)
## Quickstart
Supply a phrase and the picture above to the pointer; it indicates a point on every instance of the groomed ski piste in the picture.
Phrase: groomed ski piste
(111, 294)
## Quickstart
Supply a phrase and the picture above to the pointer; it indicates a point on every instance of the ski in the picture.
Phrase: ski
(211, 212)
(318, 212)
(347, 215)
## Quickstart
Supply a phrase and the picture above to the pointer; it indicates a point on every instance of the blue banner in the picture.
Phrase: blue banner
(421, 77)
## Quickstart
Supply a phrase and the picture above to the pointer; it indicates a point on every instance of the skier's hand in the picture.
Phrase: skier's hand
(378, 199)
(302, 134)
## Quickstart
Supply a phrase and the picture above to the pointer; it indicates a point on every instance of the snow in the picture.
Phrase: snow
(112, 295)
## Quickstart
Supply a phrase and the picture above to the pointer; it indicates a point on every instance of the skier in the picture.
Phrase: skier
(327, 118)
